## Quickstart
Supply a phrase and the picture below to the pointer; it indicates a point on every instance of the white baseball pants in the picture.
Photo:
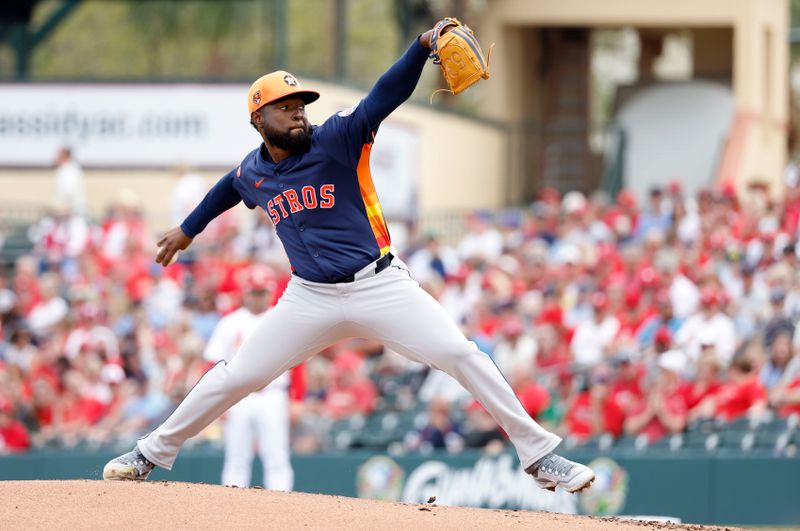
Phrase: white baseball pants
(389, 307)
(260, 420)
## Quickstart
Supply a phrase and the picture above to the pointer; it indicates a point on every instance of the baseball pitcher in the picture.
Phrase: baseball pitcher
(315, 185)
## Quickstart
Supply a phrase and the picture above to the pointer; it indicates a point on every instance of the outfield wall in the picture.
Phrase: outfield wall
(720, 489)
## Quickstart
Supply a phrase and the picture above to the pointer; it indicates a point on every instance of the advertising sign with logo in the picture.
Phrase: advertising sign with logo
(497, 483)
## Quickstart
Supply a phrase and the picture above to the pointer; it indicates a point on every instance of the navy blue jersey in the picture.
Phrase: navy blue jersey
(323, 203)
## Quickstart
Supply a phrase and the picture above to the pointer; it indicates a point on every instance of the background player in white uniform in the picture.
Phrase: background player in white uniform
(316, 187)
(261, 419)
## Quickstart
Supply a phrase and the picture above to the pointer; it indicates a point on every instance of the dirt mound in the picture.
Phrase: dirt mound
(167, 505)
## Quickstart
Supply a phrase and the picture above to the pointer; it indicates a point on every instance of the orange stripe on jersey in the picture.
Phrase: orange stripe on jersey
(371, 203)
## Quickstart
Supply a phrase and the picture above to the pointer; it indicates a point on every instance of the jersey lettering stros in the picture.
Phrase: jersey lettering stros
(323, 203)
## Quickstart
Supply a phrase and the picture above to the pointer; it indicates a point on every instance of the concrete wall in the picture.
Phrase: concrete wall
(760, 62)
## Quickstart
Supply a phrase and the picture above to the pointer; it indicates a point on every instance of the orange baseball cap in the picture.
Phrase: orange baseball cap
(274, 86)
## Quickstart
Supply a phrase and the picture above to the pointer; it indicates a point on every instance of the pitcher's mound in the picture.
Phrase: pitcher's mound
(165, 505)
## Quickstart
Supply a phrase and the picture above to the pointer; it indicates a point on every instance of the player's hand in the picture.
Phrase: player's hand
(168, 246)
(425, 38)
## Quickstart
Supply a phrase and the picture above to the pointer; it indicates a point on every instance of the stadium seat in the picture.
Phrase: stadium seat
(672, 443)
(632, 442)
(705, 426)
(700, 441)
(767, 440)
(774, 424)
(786, 444)
(743, 423)
(602, 442)
(341, 434)
(737, 440)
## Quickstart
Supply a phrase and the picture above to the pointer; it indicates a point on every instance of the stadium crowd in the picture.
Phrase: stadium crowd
(606, 316)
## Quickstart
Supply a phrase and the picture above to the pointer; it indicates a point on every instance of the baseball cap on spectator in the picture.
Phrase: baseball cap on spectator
(622, 357)
(7, 300)
(258, 278)
(459, 275)
(747, 269)
(274, 86)
(663, 336)
(777, 294)
(600, 375)
(675, 187)
(626, 198)
(649, 277)
(673, 361)
(569, 254)
(768, 227)
(512, 326)
(663, 298)
(565, 375)
(633, 294)
(112, 373)
(88, 310)
(346, 361)
(708, 296)
(728, 190)
(716, 241)
(551, 314)
(510, 219)
(574, 202)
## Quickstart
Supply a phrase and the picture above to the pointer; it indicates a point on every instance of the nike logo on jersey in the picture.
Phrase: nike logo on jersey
(258, 182)
(290, 201)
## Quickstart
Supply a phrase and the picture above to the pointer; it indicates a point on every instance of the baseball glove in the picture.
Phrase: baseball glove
(459, 55)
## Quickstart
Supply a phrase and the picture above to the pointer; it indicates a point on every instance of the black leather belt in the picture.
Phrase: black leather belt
(381, 264)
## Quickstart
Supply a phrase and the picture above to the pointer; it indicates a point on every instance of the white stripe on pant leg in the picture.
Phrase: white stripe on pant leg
(303, 323)
(408, 320)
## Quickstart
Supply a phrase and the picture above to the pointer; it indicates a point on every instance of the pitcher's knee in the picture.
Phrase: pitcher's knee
(458, 355)
(240, 381)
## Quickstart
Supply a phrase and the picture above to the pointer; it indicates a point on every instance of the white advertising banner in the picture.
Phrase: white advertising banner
(161, 125)
(125, 125)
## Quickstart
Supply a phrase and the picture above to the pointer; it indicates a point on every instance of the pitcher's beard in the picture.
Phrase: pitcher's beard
(294, 141)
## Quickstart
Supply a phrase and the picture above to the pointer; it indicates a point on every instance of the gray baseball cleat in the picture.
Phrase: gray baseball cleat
(553, 471)
(132, 466)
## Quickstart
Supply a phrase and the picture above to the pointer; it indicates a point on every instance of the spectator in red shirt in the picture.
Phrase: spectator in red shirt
(534, 398)
(663, 409)
(13, 434)
(351, 392)
(742, 393)
(627, 387)
(706, 384)
(594, 410)
(76, 411)
(787, 399)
